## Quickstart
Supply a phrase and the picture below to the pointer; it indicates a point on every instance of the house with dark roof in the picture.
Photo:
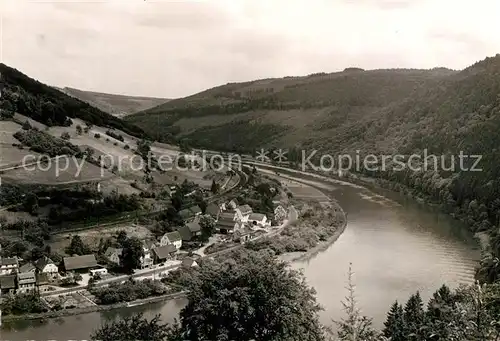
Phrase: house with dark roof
(164, 253)
(26, 282)
(113, 255)
(245, 210)
(189, 262)
(28, 267)
(242, 235)
(227, 225)
(196, 210)
(80, 263)
(172, 238)
(9, 265)
(258, 219)
(42, 282)
(47, 266)
(214, 210)
(190, 213)
(8, 284)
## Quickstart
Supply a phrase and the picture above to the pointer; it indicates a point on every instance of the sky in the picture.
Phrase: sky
(173, 49)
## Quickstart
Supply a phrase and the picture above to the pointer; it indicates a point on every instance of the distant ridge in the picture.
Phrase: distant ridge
(116, 105)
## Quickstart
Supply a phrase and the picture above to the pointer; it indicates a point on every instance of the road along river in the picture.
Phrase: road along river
(396, 246)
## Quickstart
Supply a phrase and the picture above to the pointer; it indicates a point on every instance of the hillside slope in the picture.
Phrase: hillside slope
(292, 111)
(382, 112)
(50, 106)
(116, 105)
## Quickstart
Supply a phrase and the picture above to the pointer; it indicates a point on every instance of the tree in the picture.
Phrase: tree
(97, 135)
(414, 318)
(79, 129)
(354, 327)
(65, 136)
(77, 277)
(215, 187)
(26, 125)
(135, 328)
(394, 326)
(439, 312)
(77, 247)
(31, 203)
(207, 224)
(250, 297)
(121, 238)
(131, 254)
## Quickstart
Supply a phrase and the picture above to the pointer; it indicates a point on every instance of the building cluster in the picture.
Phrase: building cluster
(28, 277)
(238, 222)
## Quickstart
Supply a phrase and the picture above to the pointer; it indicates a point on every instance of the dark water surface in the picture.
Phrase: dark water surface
(396, 247)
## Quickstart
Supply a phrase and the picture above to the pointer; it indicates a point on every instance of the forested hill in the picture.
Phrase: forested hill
(50, 106)
(117, 105)
(287, 111)
(379, 111)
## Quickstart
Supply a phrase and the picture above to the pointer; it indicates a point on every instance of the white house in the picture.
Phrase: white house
(279, 213)
(46, 266)
(258, 219)
(113, 255)
(244, 212)
(172, 238)
(8, 265)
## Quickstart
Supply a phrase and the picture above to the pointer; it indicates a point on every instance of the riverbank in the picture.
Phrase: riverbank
(97, 308)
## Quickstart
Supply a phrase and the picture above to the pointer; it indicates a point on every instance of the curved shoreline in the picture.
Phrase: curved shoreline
(92, 309)
(300, 256)
(322, 246)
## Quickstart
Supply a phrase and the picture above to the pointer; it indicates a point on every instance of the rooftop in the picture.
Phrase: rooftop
(79, 262)
(8, 282)
(8, 261)
(185, 233)
(26, 277)
(111, 250)
(257, 216)
(245, 209)
(27, 267)
(194, 227)
(43, 262)
(173, 236)
(163, 252)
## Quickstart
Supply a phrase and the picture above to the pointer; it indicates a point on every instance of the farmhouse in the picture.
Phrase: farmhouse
(189, 262)
(242, 235)
(28, 267)
(190, 213)
(172, 238)
(213, 210)
(164, 253)
(8, 284)
(243, 212)
(26, 282)
(189, 231)
(258, 219)
(113, 255)
(80, 263)
(47, 266)
(42, 282)
(227, 225)
(8, 265)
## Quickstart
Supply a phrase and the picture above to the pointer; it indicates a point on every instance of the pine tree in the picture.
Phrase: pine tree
(439, 313)
(394, 326)
(354, 327)
(414, 317)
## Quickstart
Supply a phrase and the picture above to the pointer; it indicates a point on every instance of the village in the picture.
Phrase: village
(69, 284)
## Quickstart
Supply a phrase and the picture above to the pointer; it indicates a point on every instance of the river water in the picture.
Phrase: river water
(396, 247)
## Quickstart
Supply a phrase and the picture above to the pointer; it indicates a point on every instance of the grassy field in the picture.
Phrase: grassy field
(92, 237)
(89, 172)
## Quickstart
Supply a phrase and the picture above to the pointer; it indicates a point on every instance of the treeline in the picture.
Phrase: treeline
(115, 135)
(49, 106)
(128, 291)
(41, 142)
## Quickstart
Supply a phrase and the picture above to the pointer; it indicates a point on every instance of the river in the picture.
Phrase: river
(396, 247)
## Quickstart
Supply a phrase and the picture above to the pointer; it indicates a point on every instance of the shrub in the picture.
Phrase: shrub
(97, 135)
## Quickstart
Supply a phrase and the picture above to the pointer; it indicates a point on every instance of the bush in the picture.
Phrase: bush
(65, 136)
(128, 291)
(97, 135)
(126, 147)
